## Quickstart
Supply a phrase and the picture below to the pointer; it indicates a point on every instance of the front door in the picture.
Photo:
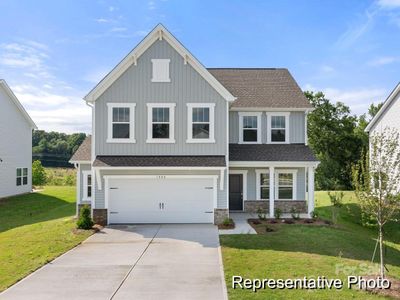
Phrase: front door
(235, 192)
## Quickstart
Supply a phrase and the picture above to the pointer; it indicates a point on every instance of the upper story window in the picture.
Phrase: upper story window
(286, 184)
(278, 129)
(22, 176)
(160, 70)
(250, 128)
(262, 177)
(161, 118)
(200, 123)
(121, 117)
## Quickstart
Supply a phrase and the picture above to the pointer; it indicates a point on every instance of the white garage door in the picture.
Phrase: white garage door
(161, 199)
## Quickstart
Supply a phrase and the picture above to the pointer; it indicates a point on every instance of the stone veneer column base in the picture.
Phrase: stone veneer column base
(252, 206)
(220, 214)
(100, 216)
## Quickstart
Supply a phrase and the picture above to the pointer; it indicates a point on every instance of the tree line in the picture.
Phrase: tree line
(54, 149)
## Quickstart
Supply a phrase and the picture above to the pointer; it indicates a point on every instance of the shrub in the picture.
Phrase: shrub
(38, 173)
(261, 214)
(228, 222)
(336, 199)
(85, 220)
(314, 215)
(278, 213)
(295, 214)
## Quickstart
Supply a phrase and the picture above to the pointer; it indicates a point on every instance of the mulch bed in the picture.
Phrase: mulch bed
(393, 291)
(289, 221)
(221, 226)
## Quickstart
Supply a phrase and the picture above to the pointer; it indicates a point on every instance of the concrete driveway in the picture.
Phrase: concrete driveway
(133, 262)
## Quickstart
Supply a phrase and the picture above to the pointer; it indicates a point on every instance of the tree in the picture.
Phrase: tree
(331, 135)
(377, 182)
(38, 173)
(85, 221)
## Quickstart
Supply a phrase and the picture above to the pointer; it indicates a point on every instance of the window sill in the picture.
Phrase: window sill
(160, 141)
(278, 142)
(200, 141)
(249, 143)
(85, 200)
(121, 141)
(157, 80)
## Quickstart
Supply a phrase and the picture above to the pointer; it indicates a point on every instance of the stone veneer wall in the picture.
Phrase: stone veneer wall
(251, 206)
(220, 214)
(100, 216)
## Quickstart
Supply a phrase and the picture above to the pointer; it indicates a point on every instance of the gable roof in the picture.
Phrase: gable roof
(385, 106)
(262, 88)
(15, 100)
(83, 153)
(158, 33)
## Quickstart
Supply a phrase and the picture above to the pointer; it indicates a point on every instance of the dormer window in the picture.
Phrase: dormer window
(160, 70)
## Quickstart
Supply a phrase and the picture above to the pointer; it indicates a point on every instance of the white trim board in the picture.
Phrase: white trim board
(244, 174)
(158, 33)
(266, 164)
(110, 122)
(211, 122)
(294, 185)
(259, 126)
(171, 123)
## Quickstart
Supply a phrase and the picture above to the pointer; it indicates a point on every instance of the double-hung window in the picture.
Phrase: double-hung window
(286, 184)
(160, 122)
(250, 128)
(22, 176)
(278, 127)
(87, 185)
(200, 123)
(121, 123)
(262, 177)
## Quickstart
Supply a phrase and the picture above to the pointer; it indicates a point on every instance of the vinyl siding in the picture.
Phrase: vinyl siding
(221, 194)
(251, 182)
(135, 86)
(296, 127)
(390, 117)
(15, 147)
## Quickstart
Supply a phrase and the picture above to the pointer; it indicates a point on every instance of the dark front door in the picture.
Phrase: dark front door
(235, 192)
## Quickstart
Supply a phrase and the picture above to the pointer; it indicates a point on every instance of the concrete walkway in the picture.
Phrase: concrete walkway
(133, 262)
(241, 224)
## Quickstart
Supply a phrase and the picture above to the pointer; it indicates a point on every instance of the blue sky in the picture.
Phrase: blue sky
(53, 52)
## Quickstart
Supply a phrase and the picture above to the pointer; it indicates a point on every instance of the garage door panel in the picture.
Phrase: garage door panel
(162, 200)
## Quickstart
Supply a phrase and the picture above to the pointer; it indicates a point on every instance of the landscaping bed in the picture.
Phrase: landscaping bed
(270, 225)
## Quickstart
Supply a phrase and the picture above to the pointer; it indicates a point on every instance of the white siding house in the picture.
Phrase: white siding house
(15, 145)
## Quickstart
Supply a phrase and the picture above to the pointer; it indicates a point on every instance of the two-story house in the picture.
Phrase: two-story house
(174, 142)
(16, 128)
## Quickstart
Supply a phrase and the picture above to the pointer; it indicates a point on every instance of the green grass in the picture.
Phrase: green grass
(34, 229)
(295, 251)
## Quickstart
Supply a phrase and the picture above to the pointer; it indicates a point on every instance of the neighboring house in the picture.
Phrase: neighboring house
(389, 114)
(174, 142)
(16, 145)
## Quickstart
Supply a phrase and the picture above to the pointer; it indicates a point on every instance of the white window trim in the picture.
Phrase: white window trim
(154, 69)
(190, 107)
(287, 124)
(85, 185)
(258, 185)
(285, 171)
(259, 126)
(22, 176)
(131, 138)
(171, 107)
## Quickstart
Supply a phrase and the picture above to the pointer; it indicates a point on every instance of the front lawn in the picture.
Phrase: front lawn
(295, 251)
(34, 229)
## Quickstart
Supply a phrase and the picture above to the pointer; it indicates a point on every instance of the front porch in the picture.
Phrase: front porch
(268, 187)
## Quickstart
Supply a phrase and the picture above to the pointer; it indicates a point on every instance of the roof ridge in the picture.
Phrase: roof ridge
(245, 68)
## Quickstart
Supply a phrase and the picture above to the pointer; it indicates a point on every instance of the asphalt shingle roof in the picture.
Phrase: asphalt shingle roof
(83, 153)
(159, 161)
(258, 87)
(270, 152)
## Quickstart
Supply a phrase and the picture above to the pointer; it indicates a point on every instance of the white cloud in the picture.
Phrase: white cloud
(96, 75)
(389, 4)
(112, 8)
(103, 20)
(327, 69)
(151, 5)
(118, 29)
(357, 99)
(384, 60)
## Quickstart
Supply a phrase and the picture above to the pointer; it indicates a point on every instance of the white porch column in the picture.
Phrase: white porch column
(310, 190)
(271, 192)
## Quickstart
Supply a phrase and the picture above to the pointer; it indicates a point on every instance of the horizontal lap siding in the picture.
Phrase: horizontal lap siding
(221, 194)
(135, 86)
